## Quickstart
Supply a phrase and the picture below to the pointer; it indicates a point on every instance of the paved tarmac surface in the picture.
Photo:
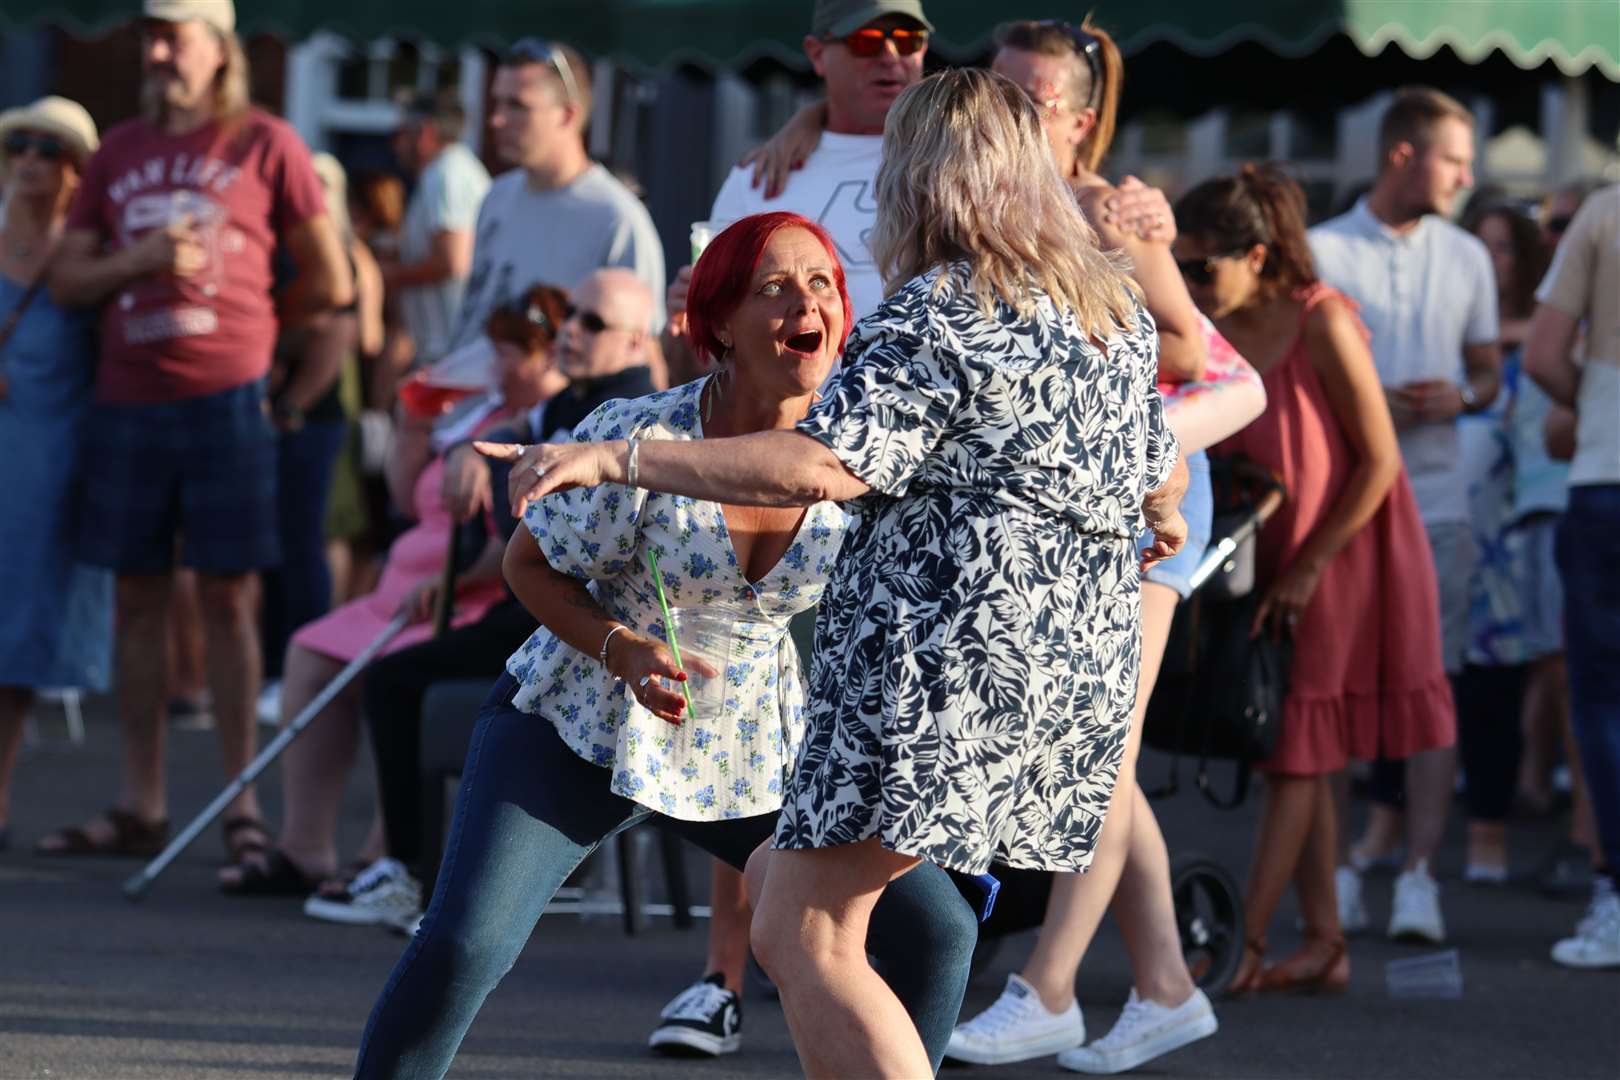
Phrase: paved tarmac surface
(192, 985)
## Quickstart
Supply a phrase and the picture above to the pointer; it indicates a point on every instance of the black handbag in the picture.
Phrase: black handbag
(1220, 692)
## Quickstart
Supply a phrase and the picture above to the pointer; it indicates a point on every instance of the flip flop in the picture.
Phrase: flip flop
(131, 836)
(276, 876)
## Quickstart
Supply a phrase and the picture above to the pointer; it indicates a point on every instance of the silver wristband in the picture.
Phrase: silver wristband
(632, 462)
(601, 654)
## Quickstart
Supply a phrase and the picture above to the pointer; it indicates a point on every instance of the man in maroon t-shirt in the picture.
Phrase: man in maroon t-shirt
(172, 234)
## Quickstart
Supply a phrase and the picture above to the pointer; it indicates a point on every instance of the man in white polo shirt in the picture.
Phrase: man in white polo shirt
(1583, 286)
(1428, 296)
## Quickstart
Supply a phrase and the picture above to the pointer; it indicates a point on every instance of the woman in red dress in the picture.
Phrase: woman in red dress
(1343, 566)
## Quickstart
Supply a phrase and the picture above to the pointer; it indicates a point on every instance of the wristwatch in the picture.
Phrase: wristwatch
(1470, 399)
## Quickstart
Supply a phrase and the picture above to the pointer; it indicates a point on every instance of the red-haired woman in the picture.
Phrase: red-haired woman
(588, 732)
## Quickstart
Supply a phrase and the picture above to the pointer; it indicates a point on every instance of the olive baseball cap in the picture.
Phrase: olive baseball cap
(836, 18)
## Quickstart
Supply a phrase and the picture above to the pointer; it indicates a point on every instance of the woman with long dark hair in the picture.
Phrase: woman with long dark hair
(1343, 567)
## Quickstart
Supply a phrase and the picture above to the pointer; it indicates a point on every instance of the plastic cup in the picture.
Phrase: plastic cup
(707, 635)
(702, 233)
(1432, 975)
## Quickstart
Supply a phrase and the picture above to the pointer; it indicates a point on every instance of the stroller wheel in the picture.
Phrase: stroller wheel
(1209, 916)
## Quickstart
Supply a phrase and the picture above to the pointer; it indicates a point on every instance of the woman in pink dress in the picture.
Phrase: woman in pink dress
(1343, 566)
(317, 766)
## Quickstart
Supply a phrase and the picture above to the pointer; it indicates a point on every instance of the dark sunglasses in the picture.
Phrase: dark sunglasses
(1087, 45)
(534, 51)
(48, 147)
(867, 42)
(591, 321)
(1202, 271)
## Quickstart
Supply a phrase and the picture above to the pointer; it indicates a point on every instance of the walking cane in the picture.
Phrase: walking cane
(135, 888)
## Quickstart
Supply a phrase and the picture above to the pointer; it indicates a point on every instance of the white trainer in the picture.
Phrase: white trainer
(383, 894)
(1145, 1030)
(1016, 1028)
(1352, 906)
(1596, 942)
(1415, 913)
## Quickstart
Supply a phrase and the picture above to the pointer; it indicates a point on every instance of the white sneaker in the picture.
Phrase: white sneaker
(1016, 1028)
(1415, 913)
(1144, 1031)
(269, 704)
(1596, 943)
(383, 894)
(1352, 907)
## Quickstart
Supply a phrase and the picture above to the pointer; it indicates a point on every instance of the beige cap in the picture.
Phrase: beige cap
(57, 116)
(220, 14)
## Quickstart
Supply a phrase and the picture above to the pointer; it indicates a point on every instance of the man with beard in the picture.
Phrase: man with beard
(172, 235)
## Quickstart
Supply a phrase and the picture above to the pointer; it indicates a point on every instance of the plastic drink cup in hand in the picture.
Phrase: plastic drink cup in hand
(424, 398)
(467, 371)
(702, 233)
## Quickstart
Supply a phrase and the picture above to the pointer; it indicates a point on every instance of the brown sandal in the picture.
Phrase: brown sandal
(238, 847)
(131, 836)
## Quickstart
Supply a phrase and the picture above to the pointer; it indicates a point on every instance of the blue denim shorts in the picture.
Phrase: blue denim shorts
(202, 470)
(1198, 507)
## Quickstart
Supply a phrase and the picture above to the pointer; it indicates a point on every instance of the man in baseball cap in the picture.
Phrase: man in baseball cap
(836, 18)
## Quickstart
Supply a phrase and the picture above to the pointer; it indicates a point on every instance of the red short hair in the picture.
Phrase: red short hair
(722, 276)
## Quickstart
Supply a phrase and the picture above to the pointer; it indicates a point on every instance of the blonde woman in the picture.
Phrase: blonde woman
(56, 629)
(997, 429)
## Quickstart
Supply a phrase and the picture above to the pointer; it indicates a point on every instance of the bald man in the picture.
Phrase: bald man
(603, 348)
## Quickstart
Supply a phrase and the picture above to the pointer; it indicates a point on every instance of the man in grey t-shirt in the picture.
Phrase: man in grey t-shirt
(1428, 296)
(558, 215)
(436, 237)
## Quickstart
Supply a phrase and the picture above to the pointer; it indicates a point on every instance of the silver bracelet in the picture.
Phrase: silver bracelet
(632, 463)
(601, 654)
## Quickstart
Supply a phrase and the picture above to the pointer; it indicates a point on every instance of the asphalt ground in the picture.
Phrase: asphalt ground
(192, 984)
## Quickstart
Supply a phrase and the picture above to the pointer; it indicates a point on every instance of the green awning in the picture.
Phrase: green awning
(1576, 35)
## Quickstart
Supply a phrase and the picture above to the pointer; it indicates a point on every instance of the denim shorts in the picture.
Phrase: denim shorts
(202, 470)
(1198, 507)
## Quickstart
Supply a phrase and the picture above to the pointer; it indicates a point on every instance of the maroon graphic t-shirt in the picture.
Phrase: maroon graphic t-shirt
(165, 338)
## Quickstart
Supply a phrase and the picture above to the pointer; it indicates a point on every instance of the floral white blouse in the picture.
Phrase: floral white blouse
(726, 765)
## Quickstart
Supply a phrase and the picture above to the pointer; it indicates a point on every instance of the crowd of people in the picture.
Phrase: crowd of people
(930, 422)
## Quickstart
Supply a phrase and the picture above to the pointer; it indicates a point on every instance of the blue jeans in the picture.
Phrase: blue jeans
(1588, 555)
(528, 812)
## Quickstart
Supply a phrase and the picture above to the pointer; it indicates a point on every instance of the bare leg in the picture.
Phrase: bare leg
(1430, 786)
(1078, 901)
(189, 670)
(1146, 912)
(1543, 720)
(144, 610)
(234, 672)
(810, 934)
(316, 766)
(728, 925)
(14, 704)
(1318, 899)
(1285, 824)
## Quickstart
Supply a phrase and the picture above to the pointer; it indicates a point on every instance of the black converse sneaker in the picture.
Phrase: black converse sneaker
(705, 1018)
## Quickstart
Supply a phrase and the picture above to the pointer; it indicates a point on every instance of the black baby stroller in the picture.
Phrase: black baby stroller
(1217, 698)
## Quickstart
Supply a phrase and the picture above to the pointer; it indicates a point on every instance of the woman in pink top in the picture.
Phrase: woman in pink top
(317, 765)
(1343, 566)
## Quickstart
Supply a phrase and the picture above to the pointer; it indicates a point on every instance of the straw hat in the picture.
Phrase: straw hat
(57, 116)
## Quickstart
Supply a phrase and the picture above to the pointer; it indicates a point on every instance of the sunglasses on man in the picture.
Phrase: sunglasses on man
(48, 147)
(591, 322)
(868, 41)
(534, 51)
(1202, 271)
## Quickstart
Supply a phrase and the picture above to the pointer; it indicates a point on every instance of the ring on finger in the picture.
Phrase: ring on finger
(645, 679)
(539, 471)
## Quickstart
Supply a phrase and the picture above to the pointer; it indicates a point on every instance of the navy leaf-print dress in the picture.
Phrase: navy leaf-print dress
(977, 646)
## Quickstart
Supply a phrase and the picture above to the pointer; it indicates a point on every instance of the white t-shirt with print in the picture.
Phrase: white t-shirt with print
(835, 189)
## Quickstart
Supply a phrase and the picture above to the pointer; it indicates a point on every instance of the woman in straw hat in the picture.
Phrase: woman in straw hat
(56, 625)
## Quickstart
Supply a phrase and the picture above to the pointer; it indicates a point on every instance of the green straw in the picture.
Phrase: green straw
(669, 626)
